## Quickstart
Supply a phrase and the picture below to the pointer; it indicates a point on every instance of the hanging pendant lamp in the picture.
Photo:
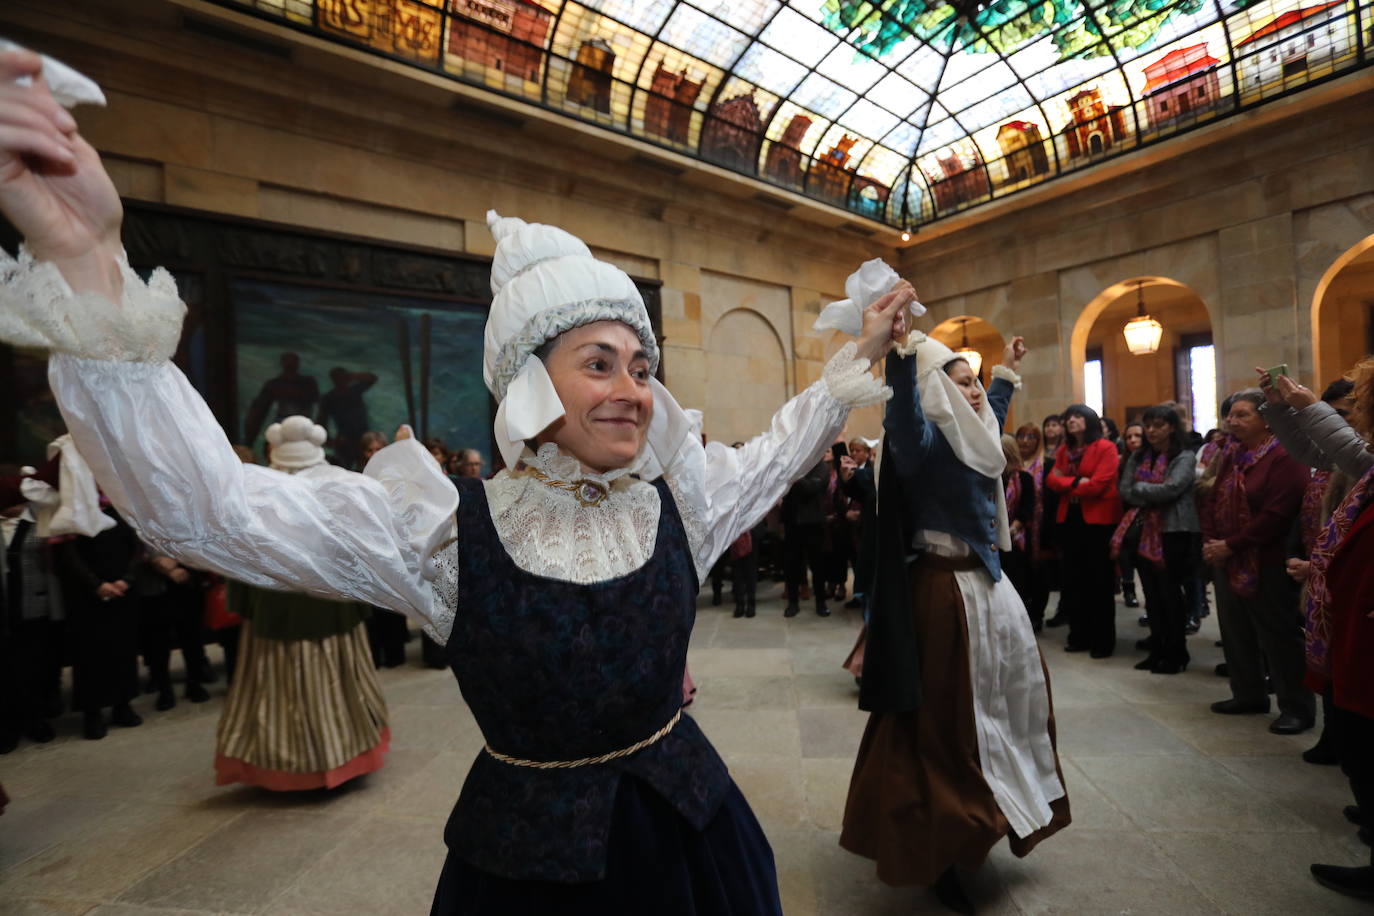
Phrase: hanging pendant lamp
(1142, 332)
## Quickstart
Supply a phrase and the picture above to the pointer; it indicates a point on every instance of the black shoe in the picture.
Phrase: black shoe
(1321, 754)
(715, 599)
(1100, 653)
(165, 699)
(749, 608)
(1143, 644)
(40, 732)
(853, 604)
(124, 715)
(1221, 670)
(1058, 620)
(739, 611)
(950, 892)
(1354, 815)
(1191, 627)
(196, 693)
(1165, 667)
(1353, 882)
(792, 609)
(1143, 620)
(1128, 594)
(1147, 663)
(1234, 707)
(1290, 723)
(822, 610)
(93, 726)
(1070, 647)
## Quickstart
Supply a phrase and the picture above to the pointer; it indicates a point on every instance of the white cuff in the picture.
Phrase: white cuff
(851, 381)
(1002, 372)
(39, 309)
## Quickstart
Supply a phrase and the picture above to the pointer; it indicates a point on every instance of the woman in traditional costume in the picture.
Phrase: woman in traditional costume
(959, 750)
(305, 710)
(564, 588)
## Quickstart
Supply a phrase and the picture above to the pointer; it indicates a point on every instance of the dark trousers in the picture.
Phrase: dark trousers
(387, 635)
(172, 619)
(1087, 591)
(228, 639)
(745, 579)
(104, 643)
(803, 548)
(718, 576)
(1265, 627)
(840, 554)
(30, 674)
(1354, 736)
(1166, 598)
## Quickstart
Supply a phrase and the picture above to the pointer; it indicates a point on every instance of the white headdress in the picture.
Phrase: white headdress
(545, 281)
(296, 444)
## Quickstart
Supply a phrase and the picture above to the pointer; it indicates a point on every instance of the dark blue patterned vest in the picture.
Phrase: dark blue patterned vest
(553, 670)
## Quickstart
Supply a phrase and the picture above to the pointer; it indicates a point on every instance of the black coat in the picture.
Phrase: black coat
(804, 503)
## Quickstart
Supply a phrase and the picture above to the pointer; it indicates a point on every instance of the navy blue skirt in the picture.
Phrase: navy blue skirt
(656, 863)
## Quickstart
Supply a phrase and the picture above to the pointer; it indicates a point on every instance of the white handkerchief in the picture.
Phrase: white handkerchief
(864, 287)
(68, 86)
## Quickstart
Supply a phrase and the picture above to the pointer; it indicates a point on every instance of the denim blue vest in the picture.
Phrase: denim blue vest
(554, 670)
(942, 493)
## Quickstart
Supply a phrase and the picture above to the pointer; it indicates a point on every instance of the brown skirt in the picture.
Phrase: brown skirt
(918, 802)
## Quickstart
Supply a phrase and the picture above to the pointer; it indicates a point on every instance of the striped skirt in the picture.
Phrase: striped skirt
(302, 714)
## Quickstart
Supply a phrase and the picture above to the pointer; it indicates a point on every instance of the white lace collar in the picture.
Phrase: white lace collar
(554, 464)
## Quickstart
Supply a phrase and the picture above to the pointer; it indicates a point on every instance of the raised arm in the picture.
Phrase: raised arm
(152, 443)
(1310, 430)
(723, 492)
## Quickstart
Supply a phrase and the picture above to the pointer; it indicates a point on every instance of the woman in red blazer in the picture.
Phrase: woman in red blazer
(1084, 476)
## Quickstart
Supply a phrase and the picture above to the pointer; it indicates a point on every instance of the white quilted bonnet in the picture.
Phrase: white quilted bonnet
(545, 281)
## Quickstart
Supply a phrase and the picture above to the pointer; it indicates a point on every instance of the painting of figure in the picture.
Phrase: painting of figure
(355, 362)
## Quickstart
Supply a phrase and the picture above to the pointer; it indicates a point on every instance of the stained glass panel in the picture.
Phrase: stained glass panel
(899, 111)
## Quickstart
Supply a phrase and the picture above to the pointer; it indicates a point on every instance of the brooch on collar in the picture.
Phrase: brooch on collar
(587, 492)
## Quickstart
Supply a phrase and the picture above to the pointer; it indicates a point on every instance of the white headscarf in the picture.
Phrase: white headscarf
(545, 281)
(975, 437)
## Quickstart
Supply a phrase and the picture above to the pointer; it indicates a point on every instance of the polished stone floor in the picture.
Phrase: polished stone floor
(1176, 810)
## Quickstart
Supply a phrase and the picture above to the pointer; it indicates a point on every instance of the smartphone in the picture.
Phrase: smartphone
(839, 450)
(1274, 373)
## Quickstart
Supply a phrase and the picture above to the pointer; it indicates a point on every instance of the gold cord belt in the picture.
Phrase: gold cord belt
(586, 761)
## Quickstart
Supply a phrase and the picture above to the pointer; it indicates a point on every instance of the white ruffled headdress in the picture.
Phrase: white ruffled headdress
(544, 281)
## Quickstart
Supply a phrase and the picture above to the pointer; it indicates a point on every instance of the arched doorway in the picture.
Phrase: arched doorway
(1343, 314)
(980, 335)
(746, 376)
(1121, 385)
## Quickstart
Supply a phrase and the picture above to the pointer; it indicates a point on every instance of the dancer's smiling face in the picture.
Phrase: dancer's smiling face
(601, 374)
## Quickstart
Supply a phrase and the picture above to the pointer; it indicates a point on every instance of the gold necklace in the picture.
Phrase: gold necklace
(587, 492)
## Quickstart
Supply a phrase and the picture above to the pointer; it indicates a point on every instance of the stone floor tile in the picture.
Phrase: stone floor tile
(826, 784)
(836, 689)
(244, 866)
(1109, 731)
(34, 824)
(434, 727)
(831, 731)
(739, 662)
(116, 850)
(737, 732)
(1314, 793)
(1091, 809)
(1186, 793)
(1263, 874)
(126, 909)
(1225, 736)
(821, 659)
(774, 788)
(727, 692)
(410, 854)
(747, 633)
(14, 905)
(1099, 872)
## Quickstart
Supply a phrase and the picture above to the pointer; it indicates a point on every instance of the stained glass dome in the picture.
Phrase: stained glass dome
(901, 111)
